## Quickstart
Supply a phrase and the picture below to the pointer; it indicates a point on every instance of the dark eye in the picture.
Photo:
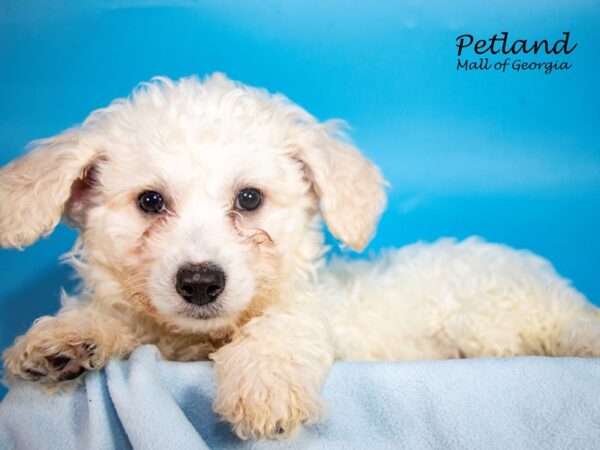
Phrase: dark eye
(248, 199)
(151, 202)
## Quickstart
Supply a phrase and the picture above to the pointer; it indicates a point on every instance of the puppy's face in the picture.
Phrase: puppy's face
(200, 224)
(196, 201)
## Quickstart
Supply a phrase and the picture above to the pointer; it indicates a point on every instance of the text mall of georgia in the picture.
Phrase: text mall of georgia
(484, 51)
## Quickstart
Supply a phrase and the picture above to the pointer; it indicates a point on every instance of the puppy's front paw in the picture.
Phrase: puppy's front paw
(266, 401)
(51, 353)
(260, 409)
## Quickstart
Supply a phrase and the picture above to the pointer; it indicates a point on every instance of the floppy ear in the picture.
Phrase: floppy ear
(350, 188)
(35, 189)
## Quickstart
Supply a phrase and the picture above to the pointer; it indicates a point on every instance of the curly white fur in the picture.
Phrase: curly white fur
(283, 317)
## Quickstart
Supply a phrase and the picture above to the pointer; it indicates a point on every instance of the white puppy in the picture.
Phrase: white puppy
(198, 205)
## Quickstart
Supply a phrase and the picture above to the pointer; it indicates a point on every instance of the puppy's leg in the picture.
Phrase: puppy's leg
(270, 376)
(578, 337)
(555, 321)
(501, 302)
(563, 324)
(61, 348)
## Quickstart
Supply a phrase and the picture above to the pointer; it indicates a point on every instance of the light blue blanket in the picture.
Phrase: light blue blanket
(146, 403)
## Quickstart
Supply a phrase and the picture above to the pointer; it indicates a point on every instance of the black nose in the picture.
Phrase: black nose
(200, 284)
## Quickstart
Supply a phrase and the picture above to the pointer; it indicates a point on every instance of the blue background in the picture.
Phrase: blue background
(513, 157)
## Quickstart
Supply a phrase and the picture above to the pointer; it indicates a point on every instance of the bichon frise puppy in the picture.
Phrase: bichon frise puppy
(198, 204)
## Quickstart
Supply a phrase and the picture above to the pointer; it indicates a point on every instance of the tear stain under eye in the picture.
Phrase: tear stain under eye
(255, 235)
(158, 223)
(261, 237)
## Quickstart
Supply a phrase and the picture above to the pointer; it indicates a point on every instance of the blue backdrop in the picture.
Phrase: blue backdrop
(513, 157)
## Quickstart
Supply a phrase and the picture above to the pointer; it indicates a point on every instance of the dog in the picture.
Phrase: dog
(199, 206)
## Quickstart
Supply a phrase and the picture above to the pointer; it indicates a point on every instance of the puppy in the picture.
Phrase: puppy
(198, 205)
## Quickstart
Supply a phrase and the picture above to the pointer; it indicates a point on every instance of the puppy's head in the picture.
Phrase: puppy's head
(196, 200)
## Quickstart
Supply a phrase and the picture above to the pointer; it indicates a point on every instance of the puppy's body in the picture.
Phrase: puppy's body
(456, 300)
(198, 206)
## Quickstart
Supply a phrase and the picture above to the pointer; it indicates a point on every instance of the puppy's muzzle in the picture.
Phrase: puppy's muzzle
(200, 284)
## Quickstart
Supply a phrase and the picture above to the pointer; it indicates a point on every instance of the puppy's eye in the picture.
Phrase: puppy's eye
(248, 199)
(151, 202)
